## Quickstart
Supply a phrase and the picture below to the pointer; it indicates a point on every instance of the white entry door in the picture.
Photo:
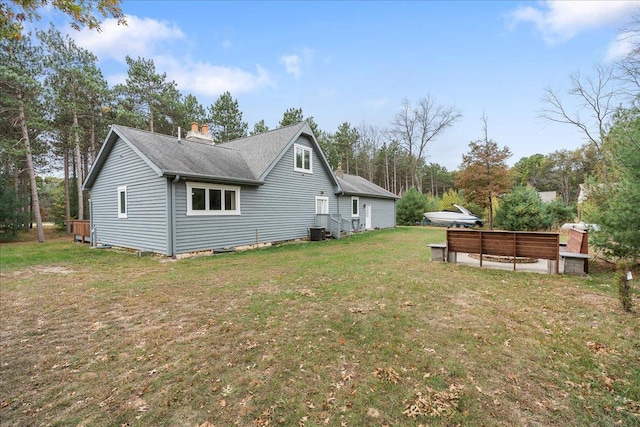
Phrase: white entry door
(367, 217)
(322, 205)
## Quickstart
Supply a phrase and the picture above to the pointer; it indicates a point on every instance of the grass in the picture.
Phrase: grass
(359, 331)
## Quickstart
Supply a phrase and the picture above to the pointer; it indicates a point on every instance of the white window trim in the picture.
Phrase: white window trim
(322, 198)
(207, 212)
(125, 214)
(357, 213)
(295, 152)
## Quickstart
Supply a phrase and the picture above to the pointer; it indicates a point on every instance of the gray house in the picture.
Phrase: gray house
(175, 196)
(365, 203)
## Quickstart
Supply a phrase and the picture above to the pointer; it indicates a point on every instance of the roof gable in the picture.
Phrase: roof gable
(264, 150)
(246, 160)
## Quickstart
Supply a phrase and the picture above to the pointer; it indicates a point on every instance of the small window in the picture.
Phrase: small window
(302, 159)
(322, 205)
(122, 202)
(355, 207)
(211, 199)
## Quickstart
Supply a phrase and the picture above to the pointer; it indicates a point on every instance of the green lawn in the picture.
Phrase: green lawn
(359, 331)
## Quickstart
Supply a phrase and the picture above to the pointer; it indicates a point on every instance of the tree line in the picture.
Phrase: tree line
(56, 107)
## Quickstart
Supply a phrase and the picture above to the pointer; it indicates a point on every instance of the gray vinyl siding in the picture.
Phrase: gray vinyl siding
(283, 208)
(146, 225)
(383, 212)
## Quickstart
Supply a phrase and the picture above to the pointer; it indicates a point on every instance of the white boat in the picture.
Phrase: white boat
(453, 218)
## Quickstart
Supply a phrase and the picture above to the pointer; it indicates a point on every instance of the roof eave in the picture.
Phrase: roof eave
(213, 178)
(110, 140)
(373, 196)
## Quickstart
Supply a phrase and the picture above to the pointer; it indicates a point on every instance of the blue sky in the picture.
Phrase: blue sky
(357, 61)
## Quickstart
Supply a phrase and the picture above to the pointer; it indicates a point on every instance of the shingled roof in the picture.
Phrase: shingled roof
(245, 161)
(262, 151)
(357, 186)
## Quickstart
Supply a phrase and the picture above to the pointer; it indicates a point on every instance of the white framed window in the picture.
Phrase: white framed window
(212, 199)
(355, 207)
(302, 160)
(322, 205)
(122, 202)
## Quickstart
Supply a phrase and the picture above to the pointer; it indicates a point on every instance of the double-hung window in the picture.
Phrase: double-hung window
(211, 199)
(302, 159)
(122, 202)
(355, 207)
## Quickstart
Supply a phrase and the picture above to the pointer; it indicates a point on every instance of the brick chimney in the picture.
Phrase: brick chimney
(195, 135)
(339, 172)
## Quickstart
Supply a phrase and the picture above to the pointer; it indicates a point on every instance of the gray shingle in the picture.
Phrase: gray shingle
(188, 158)
(357, 186)
(262, 150)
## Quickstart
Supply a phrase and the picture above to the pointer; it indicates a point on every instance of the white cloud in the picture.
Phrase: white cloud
(559, 21)
(622, 46)
(141, 37)
(292, 64)
(202, 78)
(167, 46)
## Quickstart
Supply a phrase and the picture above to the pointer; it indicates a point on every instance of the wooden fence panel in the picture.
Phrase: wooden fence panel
(81, 230)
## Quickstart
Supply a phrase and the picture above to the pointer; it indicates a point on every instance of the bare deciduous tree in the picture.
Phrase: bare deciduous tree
(595, 103)
(416, 127)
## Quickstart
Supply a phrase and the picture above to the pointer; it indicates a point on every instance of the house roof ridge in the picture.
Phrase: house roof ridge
(181, 140)
(266, 132)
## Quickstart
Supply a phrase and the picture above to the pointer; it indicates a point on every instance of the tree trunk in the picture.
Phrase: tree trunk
(490, 212)
(395, 175)
(94, 145)
(150, 119)
(78, 165)
(386, 170)
(67, 196)
(32, 173)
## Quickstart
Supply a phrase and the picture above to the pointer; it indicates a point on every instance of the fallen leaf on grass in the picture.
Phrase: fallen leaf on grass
(265, 419)
(388, 374)
(432, 403)
(600, 348)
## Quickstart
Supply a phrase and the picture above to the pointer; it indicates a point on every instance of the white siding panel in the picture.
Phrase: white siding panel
(145, 228)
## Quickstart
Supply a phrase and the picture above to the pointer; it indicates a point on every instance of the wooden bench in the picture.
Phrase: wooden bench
(575, 253)
(515, 244)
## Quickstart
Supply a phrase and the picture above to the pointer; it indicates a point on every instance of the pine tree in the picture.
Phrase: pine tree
(225, 119)
(259, 127)
(294, 115)
(74, 85)
(147, 98)
(20, 89)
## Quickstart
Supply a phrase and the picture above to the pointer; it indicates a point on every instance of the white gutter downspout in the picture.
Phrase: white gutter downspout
(173, 215)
